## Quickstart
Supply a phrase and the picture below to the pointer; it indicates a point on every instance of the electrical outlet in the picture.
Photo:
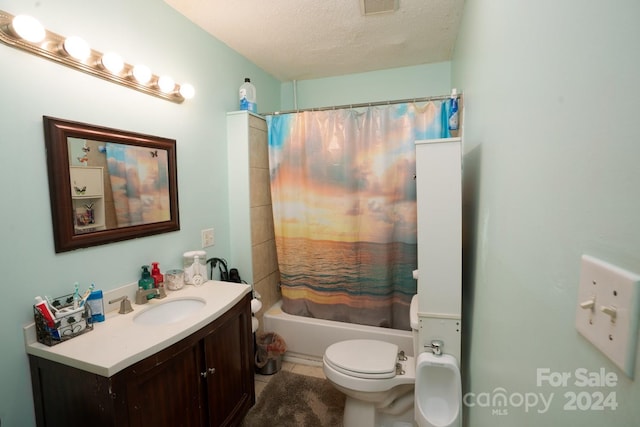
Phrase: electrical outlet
(207, 237)
(608, 309)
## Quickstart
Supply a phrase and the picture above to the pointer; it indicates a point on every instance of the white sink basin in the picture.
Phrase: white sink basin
(169, 312)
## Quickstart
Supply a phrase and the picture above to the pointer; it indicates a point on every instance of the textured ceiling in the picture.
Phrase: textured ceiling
(309, 39)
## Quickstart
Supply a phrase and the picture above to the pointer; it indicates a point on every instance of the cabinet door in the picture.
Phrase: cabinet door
(166, 389)
(70, 397)
(229, 361)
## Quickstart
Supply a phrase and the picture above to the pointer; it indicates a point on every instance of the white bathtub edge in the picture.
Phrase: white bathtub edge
(307, 338)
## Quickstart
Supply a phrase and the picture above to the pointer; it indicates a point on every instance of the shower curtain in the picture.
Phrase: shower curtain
(140, 184)
(344, 205)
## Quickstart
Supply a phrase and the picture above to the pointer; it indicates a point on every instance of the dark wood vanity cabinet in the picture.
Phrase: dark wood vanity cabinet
(205, 379)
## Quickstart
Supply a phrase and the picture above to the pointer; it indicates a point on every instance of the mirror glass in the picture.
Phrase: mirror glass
(108, 185)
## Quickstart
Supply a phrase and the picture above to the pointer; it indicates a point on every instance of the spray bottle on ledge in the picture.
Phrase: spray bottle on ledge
(247, 94)
(453, 110)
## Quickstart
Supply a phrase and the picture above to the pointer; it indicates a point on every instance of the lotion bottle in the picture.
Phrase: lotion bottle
(158, 277)
(146, 281)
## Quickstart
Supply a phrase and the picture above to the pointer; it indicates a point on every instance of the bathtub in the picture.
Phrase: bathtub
(307, 338)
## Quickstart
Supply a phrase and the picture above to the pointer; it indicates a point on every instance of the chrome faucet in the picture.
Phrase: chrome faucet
(141, 294)
(436, 347)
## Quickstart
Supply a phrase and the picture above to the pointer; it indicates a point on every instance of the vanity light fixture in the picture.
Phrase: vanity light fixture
(166, 84)
(77, 48)
(26, 33)
(28, 28)
(113, 62)
(187, 91)
(141, 73)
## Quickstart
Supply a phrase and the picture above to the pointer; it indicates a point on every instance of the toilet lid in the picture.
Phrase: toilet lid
(363, 358)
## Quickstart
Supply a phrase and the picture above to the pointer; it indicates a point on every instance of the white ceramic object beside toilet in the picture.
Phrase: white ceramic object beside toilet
(438, 391)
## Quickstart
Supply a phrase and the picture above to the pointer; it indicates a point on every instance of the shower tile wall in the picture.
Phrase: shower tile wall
(263, 249)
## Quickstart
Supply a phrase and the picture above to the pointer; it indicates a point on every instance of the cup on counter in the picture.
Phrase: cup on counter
(174, 279)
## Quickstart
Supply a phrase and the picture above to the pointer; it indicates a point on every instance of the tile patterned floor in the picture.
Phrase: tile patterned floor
(261, 381)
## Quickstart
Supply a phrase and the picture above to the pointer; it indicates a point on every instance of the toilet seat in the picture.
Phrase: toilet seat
(368, 359)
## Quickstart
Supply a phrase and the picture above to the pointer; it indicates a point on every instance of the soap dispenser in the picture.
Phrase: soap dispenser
(146, 281)
(158, 277)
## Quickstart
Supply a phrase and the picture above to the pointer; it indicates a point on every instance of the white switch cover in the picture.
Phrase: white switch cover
(207, 237)
(608, 310)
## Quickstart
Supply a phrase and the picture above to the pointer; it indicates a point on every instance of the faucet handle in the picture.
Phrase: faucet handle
(141, 295)
(125, 304)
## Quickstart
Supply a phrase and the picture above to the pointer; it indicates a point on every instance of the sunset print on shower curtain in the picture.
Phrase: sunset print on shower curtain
(344, 204)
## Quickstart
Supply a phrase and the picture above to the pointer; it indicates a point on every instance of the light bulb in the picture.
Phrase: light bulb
(77, 48)
(166, 84)
(187, 91)
(142, 73)
(112, 62)
(28, 28)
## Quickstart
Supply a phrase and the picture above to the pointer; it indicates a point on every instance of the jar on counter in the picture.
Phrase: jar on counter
(174, 279)
(195, 267)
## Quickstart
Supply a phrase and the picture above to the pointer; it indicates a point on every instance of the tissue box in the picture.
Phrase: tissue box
(69, 322)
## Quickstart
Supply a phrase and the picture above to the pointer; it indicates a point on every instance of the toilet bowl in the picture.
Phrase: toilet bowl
(386, 388)
(438, 391)
(377, 381)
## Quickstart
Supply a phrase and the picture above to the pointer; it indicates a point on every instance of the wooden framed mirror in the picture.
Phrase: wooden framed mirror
(108, 185)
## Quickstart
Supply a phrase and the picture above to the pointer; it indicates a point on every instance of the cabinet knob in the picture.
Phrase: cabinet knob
(212, 371)
(203, 374)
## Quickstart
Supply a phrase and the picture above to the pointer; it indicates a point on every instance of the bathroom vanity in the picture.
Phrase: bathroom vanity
(199, 372)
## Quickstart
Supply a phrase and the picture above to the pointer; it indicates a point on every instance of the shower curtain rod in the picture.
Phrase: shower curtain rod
(365, 104)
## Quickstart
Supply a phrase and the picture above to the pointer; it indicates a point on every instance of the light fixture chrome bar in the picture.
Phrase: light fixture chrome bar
(51, 47)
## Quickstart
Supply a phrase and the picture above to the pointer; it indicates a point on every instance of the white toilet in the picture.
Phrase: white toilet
(379, 383)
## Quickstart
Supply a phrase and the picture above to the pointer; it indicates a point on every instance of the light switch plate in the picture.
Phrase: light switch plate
(207, 236)
(608, 309)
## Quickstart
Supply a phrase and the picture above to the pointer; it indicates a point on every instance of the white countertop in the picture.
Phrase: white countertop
(118, 342)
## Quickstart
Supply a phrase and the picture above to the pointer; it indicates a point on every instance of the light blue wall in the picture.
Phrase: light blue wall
(551, 172)
(398, 83)
(143, 30)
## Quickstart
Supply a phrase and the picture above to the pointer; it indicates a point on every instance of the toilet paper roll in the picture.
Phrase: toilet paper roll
(256, 305)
